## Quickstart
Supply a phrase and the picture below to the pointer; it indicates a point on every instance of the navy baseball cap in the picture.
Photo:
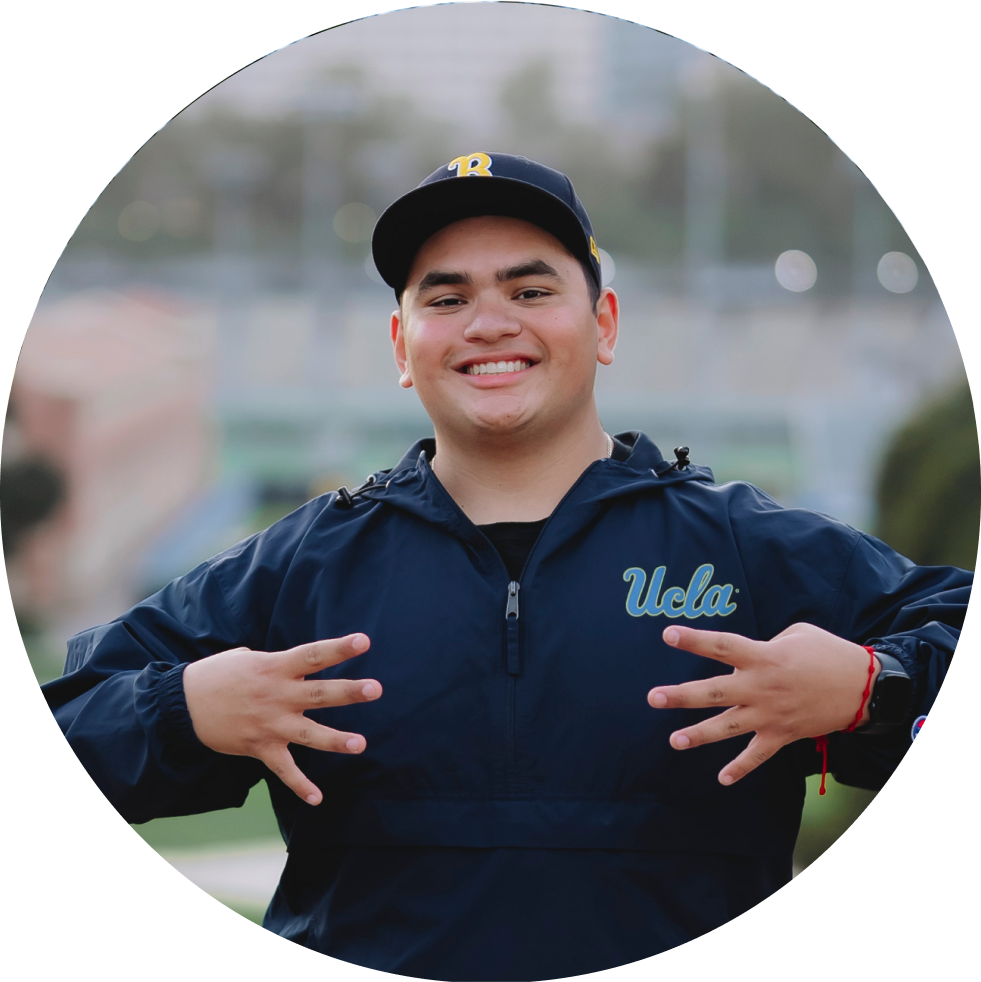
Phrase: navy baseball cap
(482, 184)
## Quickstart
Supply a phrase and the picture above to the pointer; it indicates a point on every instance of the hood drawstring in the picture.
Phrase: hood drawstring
(681, 460)
(821, 742)
(345, 498)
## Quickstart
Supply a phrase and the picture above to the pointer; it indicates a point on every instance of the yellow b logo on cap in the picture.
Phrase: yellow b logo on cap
(471, 165)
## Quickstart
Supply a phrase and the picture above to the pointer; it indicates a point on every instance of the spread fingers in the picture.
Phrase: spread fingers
(730, 649)
(307, 733)
(757, 752)
(313, 657)
(280, 761)
(732, 722)
(321, 693)
(723, 690)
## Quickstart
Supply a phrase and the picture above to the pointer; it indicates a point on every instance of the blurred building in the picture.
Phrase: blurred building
(112, 390)
(762, 323)
(455, 54)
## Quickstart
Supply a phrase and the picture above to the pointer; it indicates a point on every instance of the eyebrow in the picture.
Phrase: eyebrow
(443, 277)
(440, 277)
(534, 267)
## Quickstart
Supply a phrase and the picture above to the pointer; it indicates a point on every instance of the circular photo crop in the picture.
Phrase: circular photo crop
(534, 601)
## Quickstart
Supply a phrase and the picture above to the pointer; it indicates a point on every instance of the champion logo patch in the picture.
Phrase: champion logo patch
(917, 726)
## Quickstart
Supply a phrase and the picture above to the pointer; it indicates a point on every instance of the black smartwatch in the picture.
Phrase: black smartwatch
(890, 697)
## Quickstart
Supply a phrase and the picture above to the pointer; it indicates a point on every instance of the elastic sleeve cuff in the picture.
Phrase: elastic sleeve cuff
(175, 728)
(914, 669)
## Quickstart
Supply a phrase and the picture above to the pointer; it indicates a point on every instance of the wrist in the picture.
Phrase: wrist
(891, 691)
(173, 721)
(866, 711)
(863, 710)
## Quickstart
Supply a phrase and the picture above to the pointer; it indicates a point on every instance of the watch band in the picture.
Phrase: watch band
(890, 697)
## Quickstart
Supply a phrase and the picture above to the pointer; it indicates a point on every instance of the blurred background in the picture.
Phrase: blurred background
(212, 348)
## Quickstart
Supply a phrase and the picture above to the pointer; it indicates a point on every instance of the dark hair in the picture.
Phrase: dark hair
(594, 288)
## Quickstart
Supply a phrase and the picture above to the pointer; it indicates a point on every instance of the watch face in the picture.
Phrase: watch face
(891, 699)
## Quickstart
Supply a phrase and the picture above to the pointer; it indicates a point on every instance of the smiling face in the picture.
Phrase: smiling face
(498, 334)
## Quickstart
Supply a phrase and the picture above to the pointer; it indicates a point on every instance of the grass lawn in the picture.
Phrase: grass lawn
(826, 817)
(253, 821)
(248, 911)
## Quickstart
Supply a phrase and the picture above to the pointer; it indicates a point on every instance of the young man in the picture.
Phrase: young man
(554, 615)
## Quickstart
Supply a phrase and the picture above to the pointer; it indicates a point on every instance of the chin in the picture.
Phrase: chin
(496, 427)
(498, 416)
(511, 425)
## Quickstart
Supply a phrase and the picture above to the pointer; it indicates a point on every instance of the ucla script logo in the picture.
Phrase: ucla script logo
(699, 600)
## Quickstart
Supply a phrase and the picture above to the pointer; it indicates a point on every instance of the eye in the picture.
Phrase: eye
(446, 302)
(532, 293)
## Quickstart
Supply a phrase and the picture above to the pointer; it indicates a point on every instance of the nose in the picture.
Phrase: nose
(491, 322)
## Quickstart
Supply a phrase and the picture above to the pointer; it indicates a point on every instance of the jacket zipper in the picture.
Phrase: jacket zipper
(513, 667)
(511, 620)
(511, 613)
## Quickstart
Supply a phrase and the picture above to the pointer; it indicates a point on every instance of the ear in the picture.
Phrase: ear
(398, 343)
(607, 323)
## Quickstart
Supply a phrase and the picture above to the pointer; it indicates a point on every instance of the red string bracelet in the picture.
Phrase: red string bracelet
(821, 742)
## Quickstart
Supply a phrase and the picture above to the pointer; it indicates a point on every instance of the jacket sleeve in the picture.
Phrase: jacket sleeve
(120, 702)
(803, 566)
(914, 613)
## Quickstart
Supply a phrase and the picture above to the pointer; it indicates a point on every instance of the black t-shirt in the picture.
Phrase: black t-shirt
(514, 540)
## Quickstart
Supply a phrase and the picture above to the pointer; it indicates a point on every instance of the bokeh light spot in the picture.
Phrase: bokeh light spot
(897, 272)
(608, 268)
(139, 221)
(795, 271)
(354, 222)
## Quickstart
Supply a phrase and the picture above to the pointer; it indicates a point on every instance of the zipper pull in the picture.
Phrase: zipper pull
(512, 609)
(511, 619)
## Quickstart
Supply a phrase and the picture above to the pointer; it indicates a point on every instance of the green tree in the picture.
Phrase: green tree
(928, 500)
(928, 492)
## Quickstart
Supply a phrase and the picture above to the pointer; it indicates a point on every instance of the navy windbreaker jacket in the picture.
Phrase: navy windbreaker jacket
(518, 812)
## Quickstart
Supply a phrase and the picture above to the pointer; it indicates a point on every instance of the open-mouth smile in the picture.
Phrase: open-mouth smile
(497, 367)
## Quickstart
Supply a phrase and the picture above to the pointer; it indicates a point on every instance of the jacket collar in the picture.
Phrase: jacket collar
(412, 486)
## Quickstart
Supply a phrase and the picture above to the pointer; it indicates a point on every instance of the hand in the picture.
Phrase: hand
(251, 703)
(804, 683)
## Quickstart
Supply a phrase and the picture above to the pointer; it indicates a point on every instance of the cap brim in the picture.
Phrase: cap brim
(408, 222)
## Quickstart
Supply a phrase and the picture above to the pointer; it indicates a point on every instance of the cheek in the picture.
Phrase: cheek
(572, 345)
(426, 347)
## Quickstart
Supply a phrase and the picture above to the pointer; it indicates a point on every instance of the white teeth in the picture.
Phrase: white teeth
(498, 367)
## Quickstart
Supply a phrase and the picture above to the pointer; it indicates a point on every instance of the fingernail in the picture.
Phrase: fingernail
(312, 799)
(359, 642)
(726, 779)
(681, 741)
(671, 635)
(353, 744)
(369, 691)
(658, 700)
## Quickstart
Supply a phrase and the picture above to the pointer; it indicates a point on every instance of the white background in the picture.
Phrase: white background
(85, 84)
